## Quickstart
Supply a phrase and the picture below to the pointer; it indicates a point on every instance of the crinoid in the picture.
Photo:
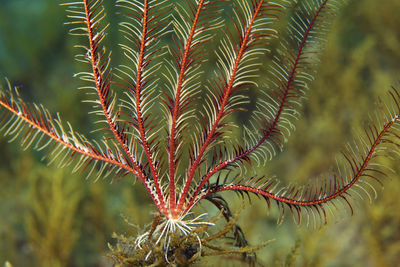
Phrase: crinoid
(168, 121)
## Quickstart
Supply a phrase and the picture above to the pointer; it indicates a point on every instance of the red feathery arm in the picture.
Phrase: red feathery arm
(289, 88)
(140, 66)
(244, 44)
(93, 14)
(103, 84)
(39, 119)
(42, 131)
(360, 159)
(185, 62)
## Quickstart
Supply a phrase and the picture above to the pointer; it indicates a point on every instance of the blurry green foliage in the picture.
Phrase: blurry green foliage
(52, 224)
(361, 62)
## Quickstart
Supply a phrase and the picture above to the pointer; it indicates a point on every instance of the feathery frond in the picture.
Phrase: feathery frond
(146, 24)
(167, 127)
(236, 63)
(38, 129)
(291, 74)
(356, 174)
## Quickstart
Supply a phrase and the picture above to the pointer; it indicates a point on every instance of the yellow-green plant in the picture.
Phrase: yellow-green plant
(52, 224)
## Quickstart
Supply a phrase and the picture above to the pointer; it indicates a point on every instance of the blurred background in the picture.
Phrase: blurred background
(50, 217)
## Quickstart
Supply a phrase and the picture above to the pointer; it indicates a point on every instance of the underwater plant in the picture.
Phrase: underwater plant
(164, 125)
